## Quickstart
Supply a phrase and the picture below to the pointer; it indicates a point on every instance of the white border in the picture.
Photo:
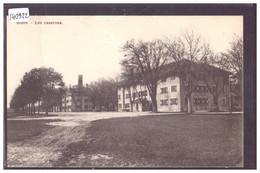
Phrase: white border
(113, 1)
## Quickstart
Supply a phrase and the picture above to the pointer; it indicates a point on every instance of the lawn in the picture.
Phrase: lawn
(159, 141)
(19, 130)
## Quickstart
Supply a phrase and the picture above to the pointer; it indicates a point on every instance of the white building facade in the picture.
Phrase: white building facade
(171, 94)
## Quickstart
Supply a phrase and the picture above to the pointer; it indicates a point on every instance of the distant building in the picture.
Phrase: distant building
(171, 96)
(76, 99)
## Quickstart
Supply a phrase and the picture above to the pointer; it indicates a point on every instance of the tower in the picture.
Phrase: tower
(80, 80)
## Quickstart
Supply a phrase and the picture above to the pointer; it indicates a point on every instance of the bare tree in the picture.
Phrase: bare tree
(186, 51)
(232, 60)
(216, 78)
(145, 59)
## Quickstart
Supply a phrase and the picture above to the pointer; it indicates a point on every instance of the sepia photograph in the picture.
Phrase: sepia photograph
(124, 90)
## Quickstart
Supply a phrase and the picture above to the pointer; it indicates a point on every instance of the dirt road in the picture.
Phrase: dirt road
(43, 150)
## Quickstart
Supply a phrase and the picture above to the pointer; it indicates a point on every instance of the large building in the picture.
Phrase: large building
(210, 90)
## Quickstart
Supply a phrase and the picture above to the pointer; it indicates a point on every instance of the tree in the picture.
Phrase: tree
(104, 93)
(32, 85)
(50, 80)
(186, 51)
(232, 60)
(145, 59)
(94, 94)
(216, 79)
(36, 85)
(18, 99)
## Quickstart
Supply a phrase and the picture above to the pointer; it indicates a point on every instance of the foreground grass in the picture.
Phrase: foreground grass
(19, 130)
(159, 141)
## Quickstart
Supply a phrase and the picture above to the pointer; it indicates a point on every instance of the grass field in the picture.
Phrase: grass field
(22, 130)
(159, 141)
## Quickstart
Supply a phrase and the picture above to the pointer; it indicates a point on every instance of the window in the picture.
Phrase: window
(67, 101)
(195, 100)
(198, 88)
(134, 95)
(164, 102)
(174, 88)
(119, 106)
(127, 96)
(127, 105)
(173, 77)
(119, 97)
(202, 88)
(174, 101)
(164, 90)
(119, 89)
(200, 100)
(206, 100)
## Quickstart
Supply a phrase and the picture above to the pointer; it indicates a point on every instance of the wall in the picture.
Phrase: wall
(170, 81)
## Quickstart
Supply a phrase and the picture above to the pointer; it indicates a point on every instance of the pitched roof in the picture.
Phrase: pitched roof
(187, 65)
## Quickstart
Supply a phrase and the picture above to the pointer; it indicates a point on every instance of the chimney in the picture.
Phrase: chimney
(80, 80)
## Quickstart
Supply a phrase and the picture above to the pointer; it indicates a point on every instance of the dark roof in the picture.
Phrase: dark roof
(187, 65)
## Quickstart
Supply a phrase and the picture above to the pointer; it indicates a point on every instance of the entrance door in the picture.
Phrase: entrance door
(136, 105)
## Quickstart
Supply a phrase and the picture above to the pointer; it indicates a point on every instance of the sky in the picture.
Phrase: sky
(92, 45)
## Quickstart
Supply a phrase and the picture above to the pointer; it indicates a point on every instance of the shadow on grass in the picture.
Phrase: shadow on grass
(18, 130)
(159, 141)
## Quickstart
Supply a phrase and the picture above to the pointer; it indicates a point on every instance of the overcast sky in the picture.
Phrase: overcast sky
(91, 45)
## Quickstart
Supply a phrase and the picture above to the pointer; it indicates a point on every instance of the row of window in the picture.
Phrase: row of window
(199, 76)
(136, 94)
(205, 101)
(165, 89)
(200, 100)
(173, 101)
(199, 88)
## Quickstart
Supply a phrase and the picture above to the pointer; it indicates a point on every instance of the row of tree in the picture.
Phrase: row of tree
(45, 87)
(42, 85)
(146, 58)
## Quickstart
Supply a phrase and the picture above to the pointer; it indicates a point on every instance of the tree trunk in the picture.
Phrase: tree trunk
(39, 105)
(29, 108)
(216, 102)
(34, 108)
(189, 107)
(154, 102)
(61, 107)
(46, 108)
